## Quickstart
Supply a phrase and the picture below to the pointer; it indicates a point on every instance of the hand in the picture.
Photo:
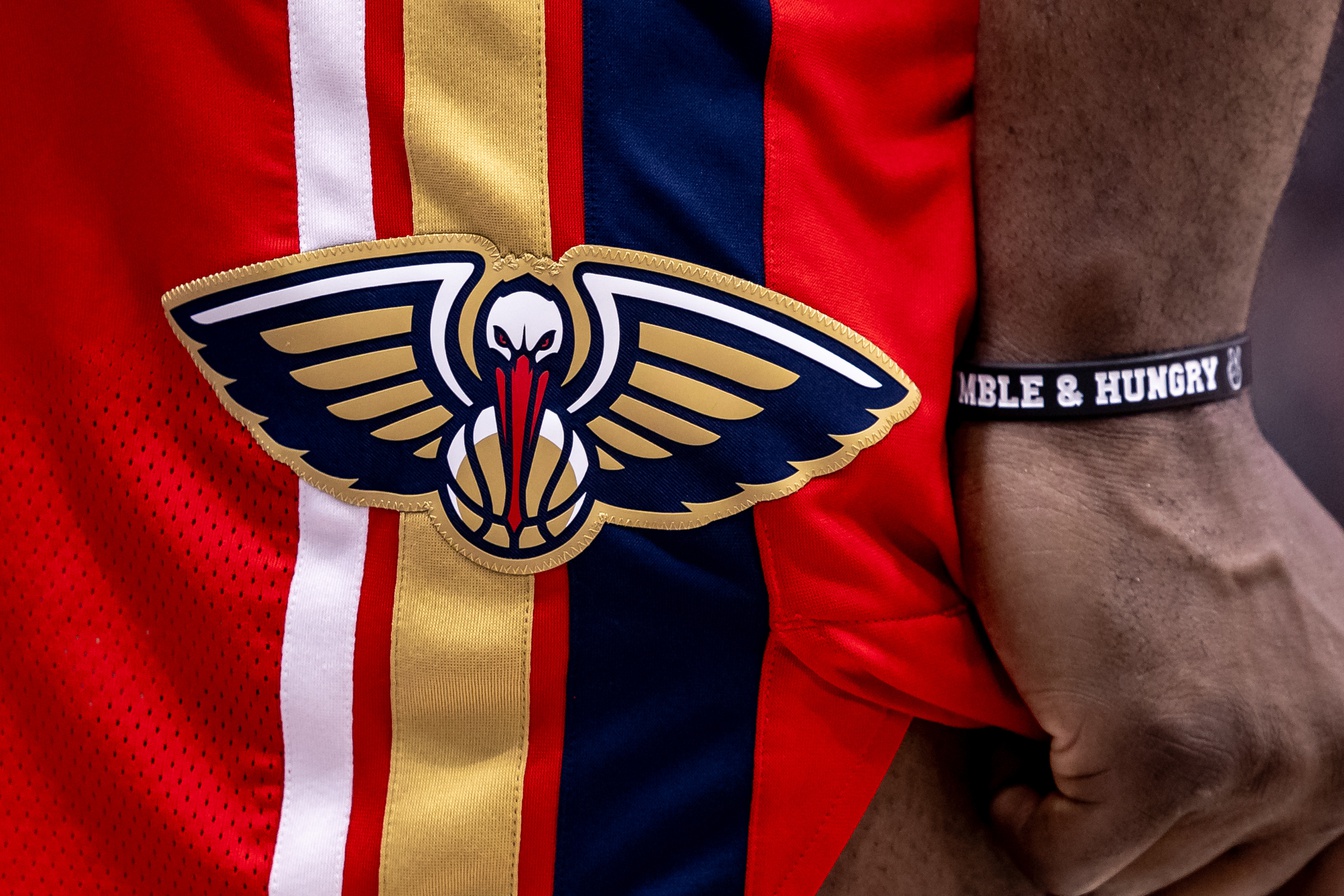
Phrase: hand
(1169, 600)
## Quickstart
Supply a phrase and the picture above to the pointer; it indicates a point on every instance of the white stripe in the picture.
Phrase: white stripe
(331, 122)
(335, 186)
(316, 696)
(453, 274)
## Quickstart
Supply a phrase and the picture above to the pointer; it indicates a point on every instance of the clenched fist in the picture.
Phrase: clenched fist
(1170, 601)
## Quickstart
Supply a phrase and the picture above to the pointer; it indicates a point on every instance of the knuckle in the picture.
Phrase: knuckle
(1209, 750)
(1225, 752)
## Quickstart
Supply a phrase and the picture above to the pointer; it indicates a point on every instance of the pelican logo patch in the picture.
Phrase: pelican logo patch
(524, 402)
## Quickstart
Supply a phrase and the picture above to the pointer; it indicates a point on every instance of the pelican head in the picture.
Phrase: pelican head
(524, 324)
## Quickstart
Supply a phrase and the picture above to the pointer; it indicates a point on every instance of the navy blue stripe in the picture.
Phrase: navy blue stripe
(667, 629)
(674, 128)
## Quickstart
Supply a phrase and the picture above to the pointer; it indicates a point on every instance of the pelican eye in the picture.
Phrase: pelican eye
(546, 340)
(501, 339)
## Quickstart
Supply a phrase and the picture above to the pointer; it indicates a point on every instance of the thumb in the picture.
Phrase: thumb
(1070, 847)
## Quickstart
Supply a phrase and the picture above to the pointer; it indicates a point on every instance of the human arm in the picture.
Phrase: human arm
(1163, 591)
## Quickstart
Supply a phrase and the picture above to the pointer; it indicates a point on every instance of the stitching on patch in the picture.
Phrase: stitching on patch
(366, 183)
(300, 562)
(525, 729)
(539, 18)
(294, 78)
(393, 785)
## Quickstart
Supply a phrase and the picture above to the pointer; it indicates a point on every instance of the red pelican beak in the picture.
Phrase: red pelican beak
(520, 406)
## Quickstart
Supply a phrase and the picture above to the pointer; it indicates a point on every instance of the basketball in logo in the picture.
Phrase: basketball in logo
(514, 478)
(547, 500)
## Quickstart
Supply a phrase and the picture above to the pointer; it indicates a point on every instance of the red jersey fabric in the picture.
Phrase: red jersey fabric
(148, 547)
(148, 544)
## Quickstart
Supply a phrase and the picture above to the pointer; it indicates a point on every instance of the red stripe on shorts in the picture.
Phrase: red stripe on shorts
(550, 620)
(385, 84)
(372, 716)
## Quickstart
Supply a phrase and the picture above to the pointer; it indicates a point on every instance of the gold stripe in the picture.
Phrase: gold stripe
(476, 143)
(357, 369)
(343, 329)
(476, 120)
(376, 404)
(669, 426)
(715, 357)
(414, 426)
(460, 650)
(692, 394)
(622, 439)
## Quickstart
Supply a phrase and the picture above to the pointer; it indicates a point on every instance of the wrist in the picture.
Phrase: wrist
(1104, 515)
(1181, 445)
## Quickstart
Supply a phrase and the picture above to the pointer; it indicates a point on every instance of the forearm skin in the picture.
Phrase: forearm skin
(1130, 155)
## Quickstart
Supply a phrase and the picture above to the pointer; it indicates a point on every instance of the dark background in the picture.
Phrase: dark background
(1298, 318)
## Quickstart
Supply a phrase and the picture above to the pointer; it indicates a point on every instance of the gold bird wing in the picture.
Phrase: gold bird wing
(711, 393)
(330, 360)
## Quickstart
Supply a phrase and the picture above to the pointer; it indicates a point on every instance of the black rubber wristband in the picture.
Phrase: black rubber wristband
(1104, 388)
